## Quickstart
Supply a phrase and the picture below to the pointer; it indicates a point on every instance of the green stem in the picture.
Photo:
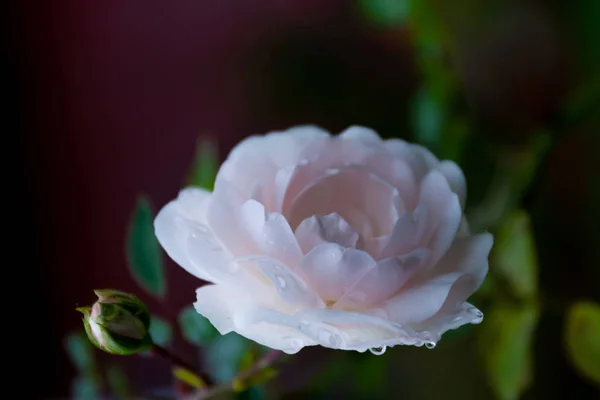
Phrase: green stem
(259, 365)
(176, 360)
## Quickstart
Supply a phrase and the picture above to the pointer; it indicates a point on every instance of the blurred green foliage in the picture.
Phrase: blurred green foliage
(205, 165)
(143, 250)
(582, 333)
(161, 331)
(196, 328)
(505, 342)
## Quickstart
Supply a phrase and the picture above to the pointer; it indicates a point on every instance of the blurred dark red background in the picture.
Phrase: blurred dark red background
(109, 99)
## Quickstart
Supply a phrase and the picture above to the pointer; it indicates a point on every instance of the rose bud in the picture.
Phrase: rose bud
(117, 323)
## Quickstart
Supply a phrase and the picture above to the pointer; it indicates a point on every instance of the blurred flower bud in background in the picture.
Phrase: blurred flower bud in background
(117, 323)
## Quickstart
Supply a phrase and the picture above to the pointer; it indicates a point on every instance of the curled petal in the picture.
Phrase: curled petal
(456, 179)
(407, 233)
(382, 281)
(290, 287)
(330, 228)
(420, 302)
(174, 227)
(332, 269)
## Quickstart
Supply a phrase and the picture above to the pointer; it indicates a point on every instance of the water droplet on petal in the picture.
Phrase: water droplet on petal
(430, 345)
(378, 350)
(477, 316)
(281, 282)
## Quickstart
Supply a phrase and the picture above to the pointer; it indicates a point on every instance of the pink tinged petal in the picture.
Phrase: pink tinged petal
(382, 281)
(447, 229)
(420, 302)
(435, 195)
(361, 134)
(219, 303)
(324, 154)
(362, 199)
(407, 233)
(320, 229)
(397, 173)
(194, 203)
(208, 255)
(467, 255)
(223, 219)
(173, 228)
(270, 232)
(332, 269)
(420, 160)
(290, 287)
(456, 179)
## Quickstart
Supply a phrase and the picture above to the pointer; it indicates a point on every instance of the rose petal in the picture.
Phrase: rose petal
(447, 229)
(173, 228)
(332, 269)
(366, 202)
(435, 195)
(467, 255)
(290, 287)
(271, 233)
(420, 302)
(320, 229)
(456, 179)
(218, 303)
(407, 233)
(382, 281)
(361, 134)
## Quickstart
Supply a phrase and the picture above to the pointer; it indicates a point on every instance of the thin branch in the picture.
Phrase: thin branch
(258, 366)
(175, 360)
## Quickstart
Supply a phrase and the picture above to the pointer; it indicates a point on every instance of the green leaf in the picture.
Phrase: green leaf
(582, 334)
(514, 255)
(206, 164)
(188, 377)
(196, 328)
(371, 376)
(143, 251)
(80, 352)
(224, 356)
(252, 393)
(160, 331)
(427, 119)
(505, 344)
(385, 13)
(84, 388)
(118, 383)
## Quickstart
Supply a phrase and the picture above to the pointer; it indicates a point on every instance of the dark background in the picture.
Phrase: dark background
(106, 100)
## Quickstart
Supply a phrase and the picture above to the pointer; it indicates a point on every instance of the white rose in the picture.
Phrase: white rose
(349, 242)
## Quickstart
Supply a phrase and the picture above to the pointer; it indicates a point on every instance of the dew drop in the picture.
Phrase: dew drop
(430, 345)
(477, 315)
(281, 282)
(378, 350)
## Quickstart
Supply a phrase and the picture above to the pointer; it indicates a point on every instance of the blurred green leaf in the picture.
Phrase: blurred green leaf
(84, 388)
(196, 328)
(81, 352)
(189, 377)
(427, 119)
(252, 393)
(223, 358)
(143, 251)
(385, 13)
(505, 343)
(372, 376)
(160, 331)
(205, 166)
(118, 383)
(514, 255)
(582, 334)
